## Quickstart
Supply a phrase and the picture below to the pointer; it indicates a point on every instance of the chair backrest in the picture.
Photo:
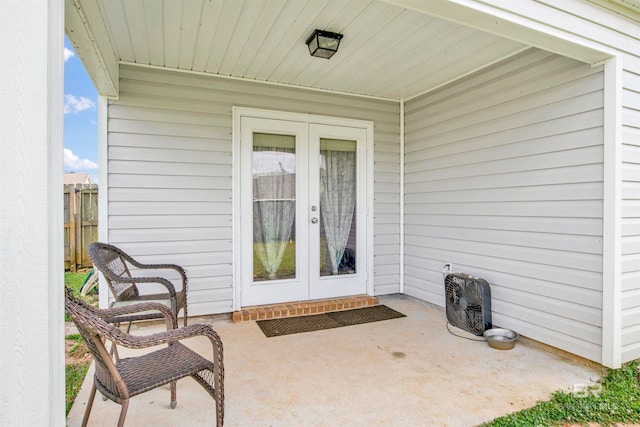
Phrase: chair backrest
(112, 263)
(95, 331)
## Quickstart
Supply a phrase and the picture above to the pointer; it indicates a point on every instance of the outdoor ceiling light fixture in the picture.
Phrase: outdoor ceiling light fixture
(323, 44)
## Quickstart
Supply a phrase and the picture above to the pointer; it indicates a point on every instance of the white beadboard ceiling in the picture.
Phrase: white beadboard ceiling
(387, 51)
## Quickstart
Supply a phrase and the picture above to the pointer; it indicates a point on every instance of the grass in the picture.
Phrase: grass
(287, 269)
(74, 281)
(74, 375)
(77, 363)
(74, 372)
(615, 398)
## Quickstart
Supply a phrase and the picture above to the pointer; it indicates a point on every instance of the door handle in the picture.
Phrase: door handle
(314, 220)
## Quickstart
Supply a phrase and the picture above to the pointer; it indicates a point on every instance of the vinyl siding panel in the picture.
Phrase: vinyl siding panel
(504, 179)
(615, 28)
(630, 240)
(170, 173)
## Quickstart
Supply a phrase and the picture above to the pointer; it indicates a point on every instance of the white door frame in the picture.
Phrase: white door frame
(295, 287)
(238, 113)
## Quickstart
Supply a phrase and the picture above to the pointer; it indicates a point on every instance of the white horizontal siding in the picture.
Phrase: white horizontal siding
(630, 240)
(504, 180)
(600, 23)
(170, 173)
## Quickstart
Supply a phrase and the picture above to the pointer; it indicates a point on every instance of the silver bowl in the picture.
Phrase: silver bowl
(502, 339)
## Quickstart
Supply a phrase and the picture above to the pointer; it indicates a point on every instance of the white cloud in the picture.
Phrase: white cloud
(73, 162)
(75, 104)
(68, 53)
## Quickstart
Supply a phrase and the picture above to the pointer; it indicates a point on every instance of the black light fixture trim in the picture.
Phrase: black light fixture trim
(323, 44)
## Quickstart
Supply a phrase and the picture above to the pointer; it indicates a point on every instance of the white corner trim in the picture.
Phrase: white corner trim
(236, 220)
(370, 193)
(103, 192)
(402, 197)
(612, 216)
(55, 213)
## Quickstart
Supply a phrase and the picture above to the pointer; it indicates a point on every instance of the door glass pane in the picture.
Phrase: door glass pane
(337, 207)
(274, 207)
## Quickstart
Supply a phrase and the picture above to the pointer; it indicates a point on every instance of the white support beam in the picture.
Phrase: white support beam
(612, 216)
(31, 213)
(402, 185)
(86, 30)
(103, 194)
(54, 147)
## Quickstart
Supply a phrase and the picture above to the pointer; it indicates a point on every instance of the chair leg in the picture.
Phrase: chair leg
(219, 396)
(87, 411)
(174, 400)
(123, 412)
(114, 350)
(219, 411)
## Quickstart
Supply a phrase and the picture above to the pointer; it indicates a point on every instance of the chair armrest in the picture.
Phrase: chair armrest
(171, 336)
(176, 267)
(117, 314)
(142, 279)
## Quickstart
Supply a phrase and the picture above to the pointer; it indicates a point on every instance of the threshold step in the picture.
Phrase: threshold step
(302, 308)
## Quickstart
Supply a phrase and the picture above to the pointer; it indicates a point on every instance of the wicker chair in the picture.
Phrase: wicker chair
(120, 380)
(114, 264)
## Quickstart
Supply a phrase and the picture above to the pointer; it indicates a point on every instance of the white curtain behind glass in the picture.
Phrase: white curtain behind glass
(337, 200)
(274, 203)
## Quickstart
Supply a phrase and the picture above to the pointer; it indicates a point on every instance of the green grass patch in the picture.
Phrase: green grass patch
(74, 281)
(74, 377)
(76, 370)
(286, 270)
(615, 398)
(78, 348)
(77, 363)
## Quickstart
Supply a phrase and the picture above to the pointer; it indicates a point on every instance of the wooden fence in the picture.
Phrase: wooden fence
(80, 224)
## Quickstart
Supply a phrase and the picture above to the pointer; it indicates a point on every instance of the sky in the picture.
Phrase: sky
(80, 117)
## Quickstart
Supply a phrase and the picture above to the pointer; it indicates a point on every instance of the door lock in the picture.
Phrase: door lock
(314, 220)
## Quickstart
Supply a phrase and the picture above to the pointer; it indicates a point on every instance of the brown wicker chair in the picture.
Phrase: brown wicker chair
(120, 380)
(115, 266)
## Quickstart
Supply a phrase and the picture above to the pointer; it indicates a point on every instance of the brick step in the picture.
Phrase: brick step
(301, 308)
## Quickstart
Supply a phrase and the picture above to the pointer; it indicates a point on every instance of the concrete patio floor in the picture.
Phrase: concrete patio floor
(400, 372)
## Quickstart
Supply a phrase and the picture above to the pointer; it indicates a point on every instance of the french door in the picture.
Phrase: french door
(303, 210)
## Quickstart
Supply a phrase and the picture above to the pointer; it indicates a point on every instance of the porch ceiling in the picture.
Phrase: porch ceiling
(387, 51)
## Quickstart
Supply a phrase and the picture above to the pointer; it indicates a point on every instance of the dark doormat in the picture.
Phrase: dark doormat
(334, 319)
